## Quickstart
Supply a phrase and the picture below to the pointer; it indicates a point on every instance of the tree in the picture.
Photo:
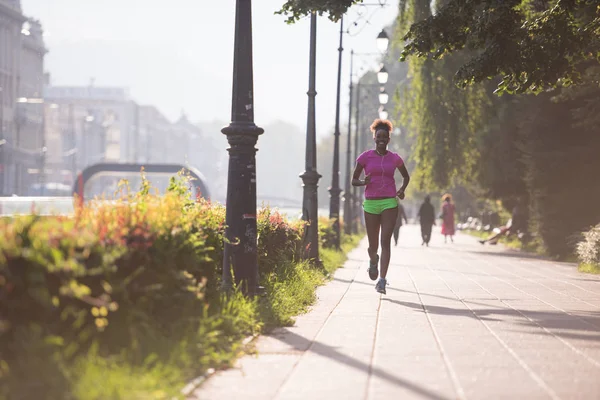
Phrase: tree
(532, 44)
(296, 9)
(443, 119)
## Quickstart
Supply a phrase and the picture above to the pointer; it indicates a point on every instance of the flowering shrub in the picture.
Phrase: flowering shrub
(327, 233)
(588, 250)
(119, 274)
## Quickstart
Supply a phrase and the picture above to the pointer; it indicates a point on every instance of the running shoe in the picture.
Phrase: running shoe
(380, 286)
(373, 271)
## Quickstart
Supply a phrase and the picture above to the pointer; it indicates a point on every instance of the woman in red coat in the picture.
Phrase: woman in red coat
(448, 218)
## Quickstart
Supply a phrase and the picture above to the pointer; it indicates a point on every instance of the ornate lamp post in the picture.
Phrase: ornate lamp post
(310, 176)
(242, 135)
(334, 190)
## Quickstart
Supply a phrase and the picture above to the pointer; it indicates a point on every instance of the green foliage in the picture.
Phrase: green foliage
(442, 119)
(561, 165)
(122, 300)
(532, 45)
(539, 149)
(296, 9)
(589, 268)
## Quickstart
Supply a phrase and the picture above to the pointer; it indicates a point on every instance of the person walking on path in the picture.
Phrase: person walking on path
(427, 220)
(380, 205)
(448, 217)
(399, 218)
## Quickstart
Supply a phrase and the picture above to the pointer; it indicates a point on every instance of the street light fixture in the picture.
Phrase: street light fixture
(382, 75)
(383, 97)
(382, 41)
(383, 114)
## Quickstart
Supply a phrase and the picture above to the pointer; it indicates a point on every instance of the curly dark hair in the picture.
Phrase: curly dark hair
(383, 124)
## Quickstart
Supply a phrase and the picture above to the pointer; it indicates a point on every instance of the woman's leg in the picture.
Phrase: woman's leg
(388, 220)
(372, 223)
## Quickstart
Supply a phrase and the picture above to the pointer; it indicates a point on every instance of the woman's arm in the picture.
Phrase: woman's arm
(358, 169)
(405, 180)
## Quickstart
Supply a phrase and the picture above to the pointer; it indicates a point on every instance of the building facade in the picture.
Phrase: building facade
(92, 125)
(12, 23)
(29, 151)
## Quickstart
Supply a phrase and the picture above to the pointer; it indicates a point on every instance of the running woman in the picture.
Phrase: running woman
(380, 205)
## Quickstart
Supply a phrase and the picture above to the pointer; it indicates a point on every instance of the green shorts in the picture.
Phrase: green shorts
(380, 205)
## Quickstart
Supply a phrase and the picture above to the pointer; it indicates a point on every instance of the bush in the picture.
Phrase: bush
(327, 233)
(588, 250)
(132, 287)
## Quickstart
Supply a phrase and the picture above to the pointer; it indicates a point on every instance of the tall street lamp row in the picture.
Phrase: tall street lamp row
(349, 192)
(351, 197)
(310, 177)
(240, 250)
(335, 190)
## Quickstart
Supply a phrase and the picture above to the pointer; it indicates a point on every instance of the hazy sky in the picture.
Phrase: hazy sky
(178, 54)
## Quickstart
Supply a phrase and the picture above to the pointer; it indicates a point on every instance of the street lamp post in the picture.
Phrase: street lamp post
(43, 155)
(242, 135)
(348, 206)
(355, 189)
(310, 176)
(2, 142)
(334, 190)
(73, 139)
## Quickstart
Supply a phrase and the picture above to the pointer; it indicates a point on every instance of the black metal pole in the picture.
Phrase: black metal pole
(136, 139)
(310, 176)
(358, 134)
(242, 135)
(2, 144)
(348, 206)
(84, 152)
(43, 155)
(17, 158)
(73, 136)
(334, 190)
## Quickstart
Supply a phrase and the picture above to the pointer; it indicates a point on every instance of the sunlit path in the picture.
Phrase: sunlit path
(459, 321)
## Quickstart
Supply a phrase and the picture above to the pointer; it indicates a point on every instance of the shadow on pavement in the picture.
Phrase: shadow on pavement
(509, 253)
(302, 344)
(422, 294)
(551, 320)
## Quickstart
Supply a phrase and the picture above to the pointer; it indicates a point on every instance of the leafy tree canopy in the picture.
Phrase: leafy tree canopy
(296, 9)
(532, 45)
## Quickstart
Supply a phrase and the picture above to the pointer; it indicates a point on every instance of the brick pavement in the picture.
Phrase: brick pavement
(459, 321)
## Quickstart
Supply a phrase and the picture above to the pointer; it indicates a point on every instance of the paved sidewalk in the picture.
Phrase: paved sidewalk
(459, 321)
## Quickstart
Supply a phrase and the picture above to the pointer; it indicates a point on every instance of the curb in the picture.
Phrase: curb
(195, 383)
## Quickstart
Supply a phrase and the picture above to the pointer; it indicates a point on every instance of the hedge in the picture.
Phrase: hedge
(121, 279)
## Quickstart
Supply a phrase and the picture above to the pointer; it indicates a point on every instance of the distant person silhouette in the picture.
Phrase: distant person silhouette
(447, 217)
(427, 220)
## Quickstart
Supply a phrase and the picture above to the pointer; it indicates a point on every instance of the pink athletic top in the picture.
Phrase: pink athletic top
(382, 169)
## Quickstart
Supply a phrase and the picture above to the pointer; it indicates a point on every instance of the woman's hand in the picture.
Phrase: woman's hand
(367, 180)
(400, 194)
